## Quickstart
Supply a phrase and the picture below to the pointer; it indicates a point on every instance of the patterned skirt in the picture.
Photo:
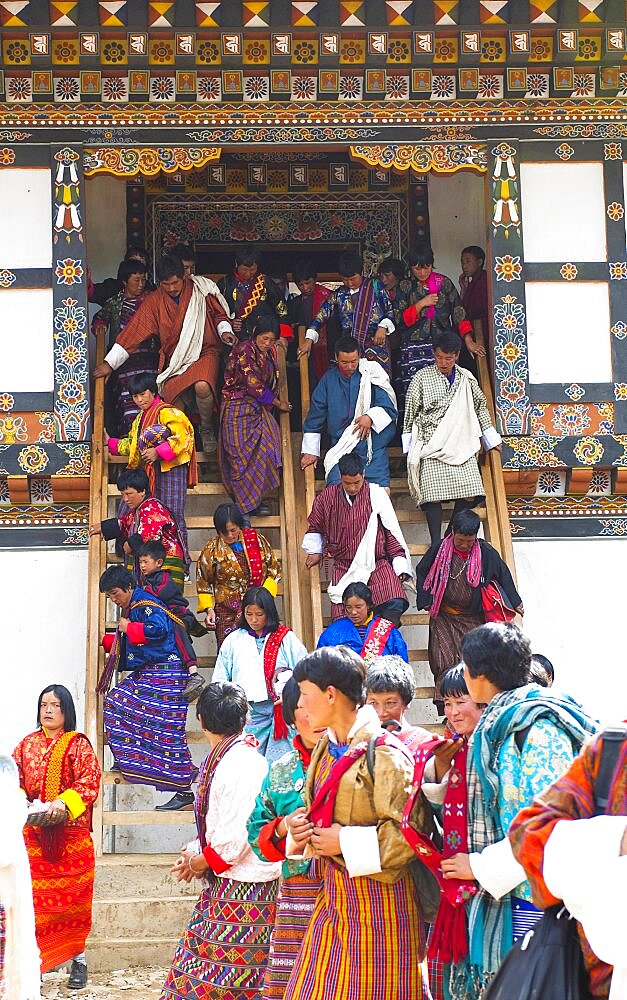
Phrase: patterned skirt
(295, 904)
(171, 489)
(363, 941)
(414, 357)
(2, 940)
(227, 616)
(145, 718)
(445, 639)
(62, 895)
(249, 452)
(224, 951)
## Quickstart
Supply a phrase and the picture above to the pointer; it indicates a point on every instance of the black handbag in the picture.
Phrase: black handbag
(546, 964)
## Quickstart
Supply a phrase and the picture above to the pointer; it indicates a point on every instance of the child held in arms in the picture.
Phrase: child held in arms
(161, 440)
(158, 582)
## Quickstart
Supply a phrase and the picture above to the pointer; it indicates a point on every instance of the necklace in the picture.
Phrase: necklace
(456, 576)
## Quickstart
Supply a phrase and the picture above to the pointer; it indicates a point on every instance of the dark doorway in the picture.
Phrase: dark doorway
(218, 260)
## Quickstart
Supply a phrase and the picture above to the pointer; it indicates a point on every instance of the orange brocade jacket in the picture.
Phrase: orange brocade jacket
(78, 780)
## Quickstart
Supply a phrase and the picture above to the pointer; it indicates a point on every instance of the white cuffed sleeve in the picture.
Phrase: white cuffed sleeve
(311, 444)
(406, 441)
(496, 869)
(401, 565)
(491, 438)
(380, 419)
(433, 789)
(360, 850)
(116, 357)
(388, 325)
(313, 543)
(311, 334)
(224, 327)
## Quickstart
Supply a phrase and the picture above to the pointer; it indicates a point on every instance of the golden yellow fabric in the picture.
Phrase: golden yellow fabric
(219, 575)
(74, 803)
(181, 439)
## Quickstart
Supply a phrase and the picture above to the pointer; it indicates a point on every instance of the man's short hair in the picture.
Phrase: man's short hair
(334, 666)
(169, 267)
(182, 251)
(222, 709)
(476, 252)
(304, 269)
(351, 465)
(346, 345)
(133, 479)
(247, 256)
(448, 342)
(500, 652)
(153, 548)
(466, 522)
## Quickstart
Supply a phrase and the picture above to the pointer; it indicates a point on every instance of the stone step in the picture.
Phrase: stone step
(111, 953)
(121, 876)
(145, 917)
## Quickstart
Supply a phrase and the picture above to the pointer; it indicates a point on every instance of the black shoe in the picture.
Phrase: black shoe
(263, 510)
(78, 976)
(182, 800)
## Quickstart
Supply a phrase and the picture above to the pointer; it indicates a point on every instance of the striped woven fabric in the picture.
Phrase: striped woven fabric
(145, 718)
(249, 452)
(363, 940)
(295, 904)
(224, 951)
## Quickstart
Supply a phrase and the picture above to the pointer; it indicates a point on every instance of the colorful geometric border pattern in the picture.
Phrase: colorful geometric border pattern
(568, 517)
(53, 526)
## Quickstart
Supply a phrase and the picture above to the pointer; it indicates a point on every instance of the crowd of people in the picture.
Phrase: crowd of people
(341, 851)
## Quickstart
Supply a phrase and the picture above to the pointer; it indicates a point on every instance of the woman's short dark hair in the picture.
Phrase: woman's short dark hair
(142, 381)
(130, 267)
(391, 673)
(453, 683)
(334, 666)
(391, 265)
(265, 322)
(289, 698)
(222, 709)
(264, 600)
(476, 252)
(351, 465)
(247, 256)
(227, 512)
(448, 342)
(466, 522)
(304, 269)
(349, 263)
(500, 652)
(169, 267)
(358, 590)
(133, 479)
(116, 578)
(67, 705)
(421, 254)
(346, 345)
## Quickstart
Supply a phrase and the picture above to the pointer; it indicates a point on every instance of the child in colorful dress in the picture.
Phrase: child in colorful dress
(280, 795)
(157, 581)
(161, 439)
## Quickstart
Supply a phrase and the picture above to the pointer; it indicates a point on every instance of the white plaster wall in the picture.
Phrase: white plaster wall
(105, 214)
(43, 596)
(457, 218)
(25, 196)
(573, 592)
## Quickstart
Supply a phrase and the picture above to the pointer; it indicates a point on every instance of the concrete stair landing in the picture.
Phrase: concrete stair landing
(139, 912)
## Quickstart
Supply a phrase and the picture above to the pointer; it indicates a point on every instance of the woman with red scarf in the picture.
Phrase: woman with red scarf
(449, 581)
(260, 656)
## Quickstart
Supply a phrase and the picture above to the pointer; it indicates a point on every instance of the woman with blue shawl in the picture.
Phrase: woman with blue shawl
(361, 630)
(525, 739)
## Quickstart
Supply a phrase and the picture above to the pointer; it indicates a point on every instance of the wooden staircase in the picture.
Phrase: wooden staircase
(496, 529)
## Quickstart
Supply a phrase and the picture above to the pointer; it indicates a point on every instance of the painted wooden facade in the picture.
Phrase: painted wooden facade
(289, 117)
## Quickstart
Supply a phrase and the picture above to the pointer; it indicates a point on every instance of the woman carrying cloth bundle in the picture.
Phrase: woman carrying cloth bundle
(260, 656)
(60, 774)
(236, 559)
(361, 630)
(161, 440)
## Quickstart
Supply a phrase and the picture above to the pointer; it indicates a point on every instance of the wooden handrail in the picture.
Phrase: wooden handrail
(310, 495)
(289, 526)
(97, 561)
(498, 514)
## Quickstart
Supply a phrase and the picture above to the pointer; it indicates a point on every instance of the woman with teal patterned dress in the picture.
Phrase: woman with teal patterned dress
(280, 795)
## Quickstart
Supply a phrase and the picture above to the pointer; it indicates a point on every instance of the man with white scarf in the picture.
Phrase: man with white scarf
(355, 402)
(354, 523)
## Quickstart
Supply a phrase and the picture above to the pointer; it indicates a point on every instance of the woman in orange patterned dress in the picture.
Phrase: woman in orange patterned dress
(61, 777)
